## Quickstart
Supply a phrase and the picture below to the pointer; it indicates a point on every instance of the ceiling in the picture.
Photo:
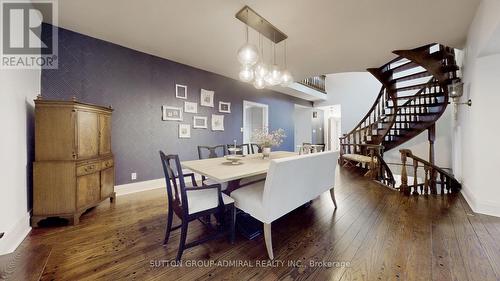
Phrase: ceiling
(325, 36)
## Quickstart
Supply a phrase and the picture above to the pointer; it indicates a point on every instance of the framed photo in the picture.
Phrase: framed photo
(190, 107)
(224, 107)
(207, 98)
(217, 122)
(200, 122)
(184, 131)
(181, 91)
(171, 113)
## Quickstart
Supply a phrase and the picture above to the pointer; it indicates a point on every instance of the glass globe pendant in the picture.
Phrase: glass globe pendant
(259, 83)
(273, 78)
(261, 70)
(286, 78)
(248, 54)
(246, 73)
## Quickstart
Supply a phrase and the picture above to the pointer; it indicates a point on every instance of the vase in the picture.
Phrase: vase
(266, 152)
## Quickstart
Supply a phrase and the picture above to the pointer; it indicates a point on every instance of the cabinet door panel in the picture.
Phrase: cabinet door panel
(88, 134)
(107, 182)
(55, 134)
(105, 134)
(88, 190)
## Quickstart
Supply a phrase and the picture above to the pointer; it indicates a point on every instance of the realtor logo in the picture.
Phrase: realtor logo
(29, 35)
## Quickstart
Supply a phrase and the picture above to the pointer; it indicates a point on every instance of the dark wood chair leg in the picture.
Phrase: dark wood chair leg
(182, 242)
(169, 225)
(233, 225)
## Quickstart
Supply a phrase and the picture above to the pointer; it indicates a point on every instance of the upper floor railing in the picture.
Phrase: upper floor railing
(316, 82)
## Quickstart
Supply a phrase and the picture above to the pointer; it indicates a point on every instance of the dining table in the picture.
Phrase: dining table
(223, 170)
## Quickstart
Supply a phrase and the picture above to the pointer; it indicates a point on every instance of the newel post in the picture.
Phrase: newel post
(404, 174)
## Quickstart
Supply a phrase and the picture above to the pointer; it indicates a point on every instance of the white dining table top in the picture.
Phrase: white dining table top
(221, 170)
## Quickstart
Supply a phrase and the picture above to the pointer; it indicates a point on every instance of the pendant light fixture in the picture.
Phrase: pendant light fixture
(246, 73)
(286, 76)
(254, 68)
(261, 69)
(248, 54)
(273, 78)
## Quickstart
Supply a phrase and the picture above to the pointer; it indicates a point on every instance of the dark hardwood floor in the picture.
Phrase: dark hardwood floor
(377, 233)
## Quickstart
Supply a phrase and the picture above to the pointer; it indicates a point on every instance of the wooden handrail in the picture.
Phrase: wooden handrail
(449, 184)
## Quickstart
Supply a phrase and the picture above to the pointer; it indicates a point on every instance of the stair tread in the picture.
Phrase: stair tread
(434, 104)
(426, 114)
(412, 87)
(402, 129)
(441, 54)
(404, 122)
(440, 94)
(413, 76)
(403, 67)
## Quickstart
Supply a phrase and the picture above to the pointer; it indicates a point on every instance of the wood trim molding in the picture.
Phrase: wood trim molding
(14, 236)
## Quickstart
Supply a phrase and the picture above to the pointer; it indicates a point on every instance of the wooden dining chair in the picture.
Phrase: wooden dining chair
(190, 203)
(320, 147)
(255, 148)
(205, 152)
(306, 148)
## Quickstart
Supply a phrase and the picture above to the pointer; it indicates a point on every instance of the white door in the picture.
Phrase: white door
(333, 133)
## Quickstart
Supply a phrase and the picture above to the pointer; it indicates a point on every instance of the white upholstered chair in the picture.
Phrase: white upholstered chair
(290, 183)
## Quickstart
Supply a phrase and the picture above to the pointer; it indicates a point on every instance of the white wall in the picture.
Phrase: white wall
(477, 128)
(356, 92)
(18, 88)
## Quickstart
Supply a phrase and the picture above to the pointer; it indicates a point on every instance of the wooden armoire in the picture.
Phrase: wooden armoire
(74, 165)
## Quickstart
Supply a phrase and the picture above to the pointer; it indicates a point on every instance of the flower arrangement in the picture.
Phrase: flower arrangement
(268, 139)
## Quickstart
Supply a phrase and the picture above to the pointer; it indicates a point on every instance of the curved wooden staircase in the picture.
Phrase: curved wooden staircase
(413, 97)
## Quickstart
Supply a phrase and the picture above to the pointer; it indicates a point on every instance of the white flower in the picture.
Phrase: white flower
(265, 139)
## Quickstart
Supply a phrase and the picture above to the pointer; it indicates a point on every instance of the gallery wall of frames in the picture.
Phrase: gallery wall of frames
(183, 113)
(158, 104)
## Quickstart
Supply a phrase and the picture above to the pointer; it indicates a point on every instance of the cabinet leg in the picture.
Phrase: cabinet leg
(75, 219)
(35, 220)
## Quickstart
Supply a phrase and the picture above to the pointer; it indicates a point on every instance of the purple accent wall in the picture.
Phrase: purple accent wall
(137, 85)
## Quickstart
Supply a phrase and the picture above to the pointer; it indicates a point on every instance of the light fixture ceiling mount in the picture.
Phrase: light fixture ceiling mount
(254, 68)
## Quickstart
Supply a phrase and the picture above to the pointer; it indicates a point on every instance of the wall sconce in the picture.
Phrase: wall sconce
(456, 90)
(315, 114)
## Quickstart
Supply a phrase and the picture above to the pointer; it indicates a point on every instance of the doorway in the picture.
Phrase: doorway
(302, 119)
(332, 126)
(255, 117)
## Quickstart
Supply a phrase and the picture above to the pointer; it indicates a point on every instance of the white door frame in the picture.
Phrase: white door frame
(265, 118)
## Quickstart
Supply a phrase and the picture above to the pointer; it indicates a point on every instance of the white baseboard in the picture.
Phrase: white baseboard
(135, 187)
(482, 207)
(15, 235)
